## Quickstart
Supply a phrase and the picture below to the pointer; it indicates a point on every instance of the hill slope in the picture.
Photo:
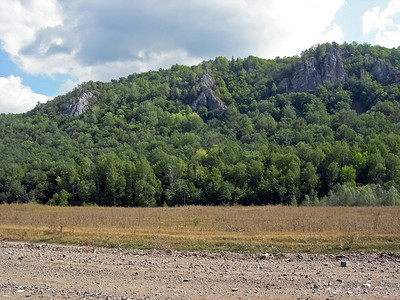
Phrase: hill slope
(247, 131)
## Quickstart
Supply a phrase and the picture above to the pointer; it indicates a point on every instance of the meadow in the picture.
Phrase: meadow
(252, 229)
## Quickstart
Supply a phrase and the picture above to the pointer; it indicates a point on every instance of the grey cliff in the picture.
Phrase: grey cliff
(312, 72)
(206, 96)
(384, 73)
(82, 104)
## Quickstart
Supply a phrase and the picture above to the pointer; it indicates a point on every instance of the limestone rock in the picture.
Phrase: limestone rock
(384, 73)
(307, 77)
(206, 96)
(83, 100)
(312, 72)
(332, 68)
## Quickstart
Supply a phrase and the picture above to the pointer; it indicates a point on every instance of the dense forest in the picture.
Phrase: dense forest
(319, 128)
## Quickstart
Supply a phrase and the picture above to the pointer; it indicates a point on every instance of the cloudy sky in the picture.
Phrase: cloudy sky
(47, 47)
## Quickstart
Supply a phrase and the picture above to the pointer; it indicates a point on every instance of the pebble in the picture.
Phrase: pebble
(123, 273)
(344, 264)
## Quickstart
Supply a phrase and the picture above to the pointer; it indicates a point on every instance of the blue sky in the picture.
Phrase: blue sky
(48, 47)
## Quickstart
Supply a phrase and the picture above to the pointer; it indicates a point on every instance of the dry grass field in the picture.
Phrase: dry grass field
(238, 229)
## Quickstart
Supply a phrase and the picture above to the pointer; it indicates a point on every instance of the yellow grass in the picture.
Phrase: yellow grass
(241, 229)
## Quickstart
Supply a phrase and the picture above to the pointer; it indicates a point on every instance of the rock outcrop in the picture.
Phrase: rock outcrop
(384, 73)
(312, 72)
(206, 97)
(83, 100)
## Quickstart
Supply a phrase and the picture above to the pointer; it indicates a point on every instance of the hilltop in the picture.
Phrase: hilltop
(320, 128)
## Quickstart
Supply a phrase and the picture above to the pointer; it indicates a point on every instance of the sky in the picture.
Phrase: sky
(48, 47)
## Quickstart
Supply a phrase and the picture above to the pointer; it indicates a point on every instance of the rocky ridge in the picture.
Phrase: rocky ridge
(331, 69)
(312, 72)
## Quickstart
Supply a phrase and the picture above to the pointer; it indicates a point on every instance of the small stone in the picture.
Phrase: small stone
(235, 289)
(344, 264)
(265, 256)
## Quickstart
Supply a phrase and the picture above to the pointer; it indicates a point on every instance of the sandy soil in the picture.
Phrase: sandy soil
(60, 272)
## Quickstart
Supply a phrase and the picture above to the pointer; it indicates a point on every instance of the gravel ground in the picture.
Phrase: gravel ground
(42, 271)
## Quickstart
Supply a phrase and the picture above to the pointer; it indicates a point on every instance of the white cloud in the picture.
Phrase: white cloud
(148, 61)
(15, 97)
(20, 22)
(67, 86)
(384, 24)
(101, 40)
(297, 25)
(79, 36)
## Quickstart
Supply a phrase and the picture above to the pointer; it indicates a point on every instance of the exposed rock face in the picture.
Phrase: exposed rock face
(332, 68)
(305, 78)
(84, 100)
(311, 73)
(206, 96)
(384, 74)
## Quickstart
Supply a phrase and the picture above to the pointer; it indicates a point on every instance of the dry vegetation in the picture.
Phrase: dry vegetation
(241, 229)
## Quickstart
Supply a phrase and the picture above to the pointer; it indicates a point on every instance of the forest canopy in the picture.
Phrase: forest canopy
(222, 132)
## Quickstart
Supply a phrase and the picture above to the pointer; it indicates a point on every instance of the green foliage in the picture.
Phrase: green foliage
(141, 144)
(60, 198)
(348, 175)
(369, 195)
(182, 192)
(147, 187)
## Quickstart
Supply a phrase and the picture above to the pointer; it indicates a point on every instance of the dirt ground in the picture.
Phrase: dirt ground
(41, 271)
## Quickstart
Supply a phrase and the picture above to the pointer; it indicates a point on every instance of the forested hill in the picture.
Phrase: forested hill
(320, 128)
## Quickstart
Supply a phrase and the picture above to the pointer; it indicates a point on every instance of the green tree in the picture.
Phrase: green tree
(183, 192)
(309, 180)
(348, 175)
(60, 198)
(110, 180)
(217, 190)
(147, 188)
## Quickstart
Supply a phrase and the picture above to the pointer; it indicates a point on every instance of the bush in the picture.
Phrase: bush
(369, 195)
(60, 198)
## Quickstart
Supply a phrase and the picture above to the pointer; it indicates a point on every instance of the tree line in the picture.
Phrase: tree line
(141, 144)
